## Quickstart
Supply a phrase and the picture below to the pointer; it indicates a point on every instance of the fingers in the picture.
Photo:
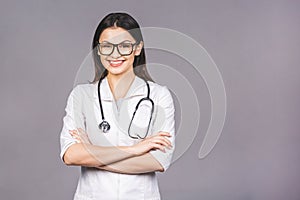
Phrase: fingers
(159, 141)
(75, 135)
(79, 135)
(162, 136)
(161, 133)
(158, 146)
(81, 130)
(162, 141)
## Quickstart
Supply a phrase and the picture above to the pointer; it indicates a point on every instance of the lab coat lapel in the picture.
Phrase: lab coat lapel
(137, 88)
(105, 91)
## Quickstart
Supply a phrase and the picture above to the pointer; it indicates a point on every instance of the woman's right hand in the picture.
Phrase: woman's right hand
(156, 141)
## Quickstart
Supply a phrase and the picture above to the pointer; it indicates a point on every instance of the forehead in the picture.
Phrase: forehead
(115, 35)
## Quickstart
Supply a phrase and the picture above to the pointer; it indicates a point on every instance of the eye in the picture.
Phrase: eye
(125, 45)
(105, 45)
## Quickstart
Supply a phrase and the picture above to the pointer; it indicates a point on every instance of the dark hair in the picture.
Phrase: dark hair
(125, 21)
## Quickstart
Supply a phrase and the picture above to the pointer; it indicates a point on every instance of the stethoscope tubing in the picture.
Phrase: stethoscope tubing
(105, 126)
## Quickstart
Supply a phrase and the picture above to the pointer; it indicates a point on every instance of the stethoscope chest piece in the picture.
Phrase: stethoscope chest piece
(104, 126)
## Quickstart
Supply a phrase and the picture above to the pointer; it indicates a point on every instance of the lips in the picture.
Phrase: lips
(116, 63)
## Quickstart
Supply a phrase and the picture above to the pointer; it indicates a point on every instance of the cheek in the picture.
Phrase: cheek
(103, 61)
(131, 59)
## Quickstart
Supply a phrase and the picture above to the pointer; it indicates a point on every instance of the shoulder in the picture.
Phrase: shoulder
(161, 91)
(82, 90)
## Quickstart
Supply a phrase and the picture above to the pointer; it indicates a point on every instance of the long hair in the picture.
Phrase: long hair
(125, 21)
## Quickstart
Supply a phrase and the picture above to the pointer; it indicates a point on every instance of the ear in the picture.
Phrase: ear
(139, 48)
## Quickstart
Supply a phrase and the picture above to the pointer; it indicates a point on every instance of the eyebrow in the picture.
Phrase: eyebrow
(113, 43)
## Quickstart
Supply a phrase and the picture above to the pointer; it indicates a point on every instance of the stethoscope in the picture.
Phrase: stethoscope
(104, 126)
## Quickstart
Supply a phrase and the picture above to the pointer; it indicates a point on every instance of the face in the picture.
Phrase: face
(115, 63)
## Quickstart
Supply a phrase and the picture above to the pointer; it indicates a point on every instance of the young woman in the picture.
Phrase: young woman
(120, 127)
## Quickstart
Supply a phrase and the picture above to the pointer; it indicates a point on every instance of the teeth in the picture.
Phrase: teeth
(116, 62)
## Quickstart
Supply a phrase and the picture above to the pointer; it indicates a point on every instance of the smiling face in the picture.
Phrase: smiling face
(115, 63)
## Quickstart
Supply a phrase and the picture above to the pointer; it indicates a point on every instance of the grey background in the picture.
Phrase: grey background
(255, 44)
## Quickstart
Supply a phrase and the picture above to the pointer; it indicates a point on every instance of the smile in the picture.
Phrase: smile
(116, 63)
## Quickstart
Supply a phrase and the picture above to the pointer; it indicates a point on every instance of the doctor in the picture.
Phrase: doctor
(119, 159)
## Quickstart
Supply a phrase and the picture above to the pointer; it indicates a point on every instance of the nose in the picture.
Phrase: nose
(115, 53)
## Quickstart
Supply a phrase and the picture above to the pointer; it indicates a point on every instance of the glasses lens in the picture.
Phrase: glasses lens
(125, 48)
(106, 49)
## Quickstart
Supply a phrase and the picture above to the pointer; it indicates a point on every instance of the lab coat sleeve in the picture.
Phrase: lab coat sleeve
(73, 119)
(164, 121)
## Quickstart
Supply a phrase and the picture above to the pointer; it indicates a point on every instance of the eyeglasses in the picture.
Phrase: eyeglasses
(107, 48)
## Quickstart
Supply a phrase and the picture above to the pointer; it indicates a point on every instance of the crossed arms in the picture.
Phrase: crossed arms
(134, 159)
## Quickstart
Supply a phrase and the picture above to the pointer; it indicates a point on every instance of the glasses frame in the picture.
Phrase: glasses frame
(116, 46)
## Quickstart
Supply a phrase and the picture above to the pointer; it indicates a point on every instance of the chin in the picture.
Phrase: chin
(116, 71)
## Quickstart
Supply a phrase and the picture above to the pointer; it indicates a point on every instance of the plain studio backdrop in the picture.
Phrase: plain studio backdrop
(255, 45)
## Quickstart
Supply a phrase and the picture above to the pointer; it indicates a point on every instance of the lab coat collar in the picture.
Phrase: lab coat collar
(137, 88)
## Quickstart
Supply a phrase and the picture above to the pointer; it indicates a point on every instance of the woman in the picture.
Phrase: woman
(119, 149)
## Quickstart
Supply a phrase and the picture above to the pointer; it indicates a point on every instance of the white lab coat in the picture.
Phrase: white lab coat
(82, 111)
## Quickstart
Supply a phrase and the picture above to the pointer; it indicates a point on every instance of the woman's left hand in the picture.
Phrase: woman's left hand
(80, 135)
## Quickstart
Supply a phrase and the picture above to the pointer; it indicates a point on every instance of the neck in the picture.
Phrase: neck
(120, 84)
